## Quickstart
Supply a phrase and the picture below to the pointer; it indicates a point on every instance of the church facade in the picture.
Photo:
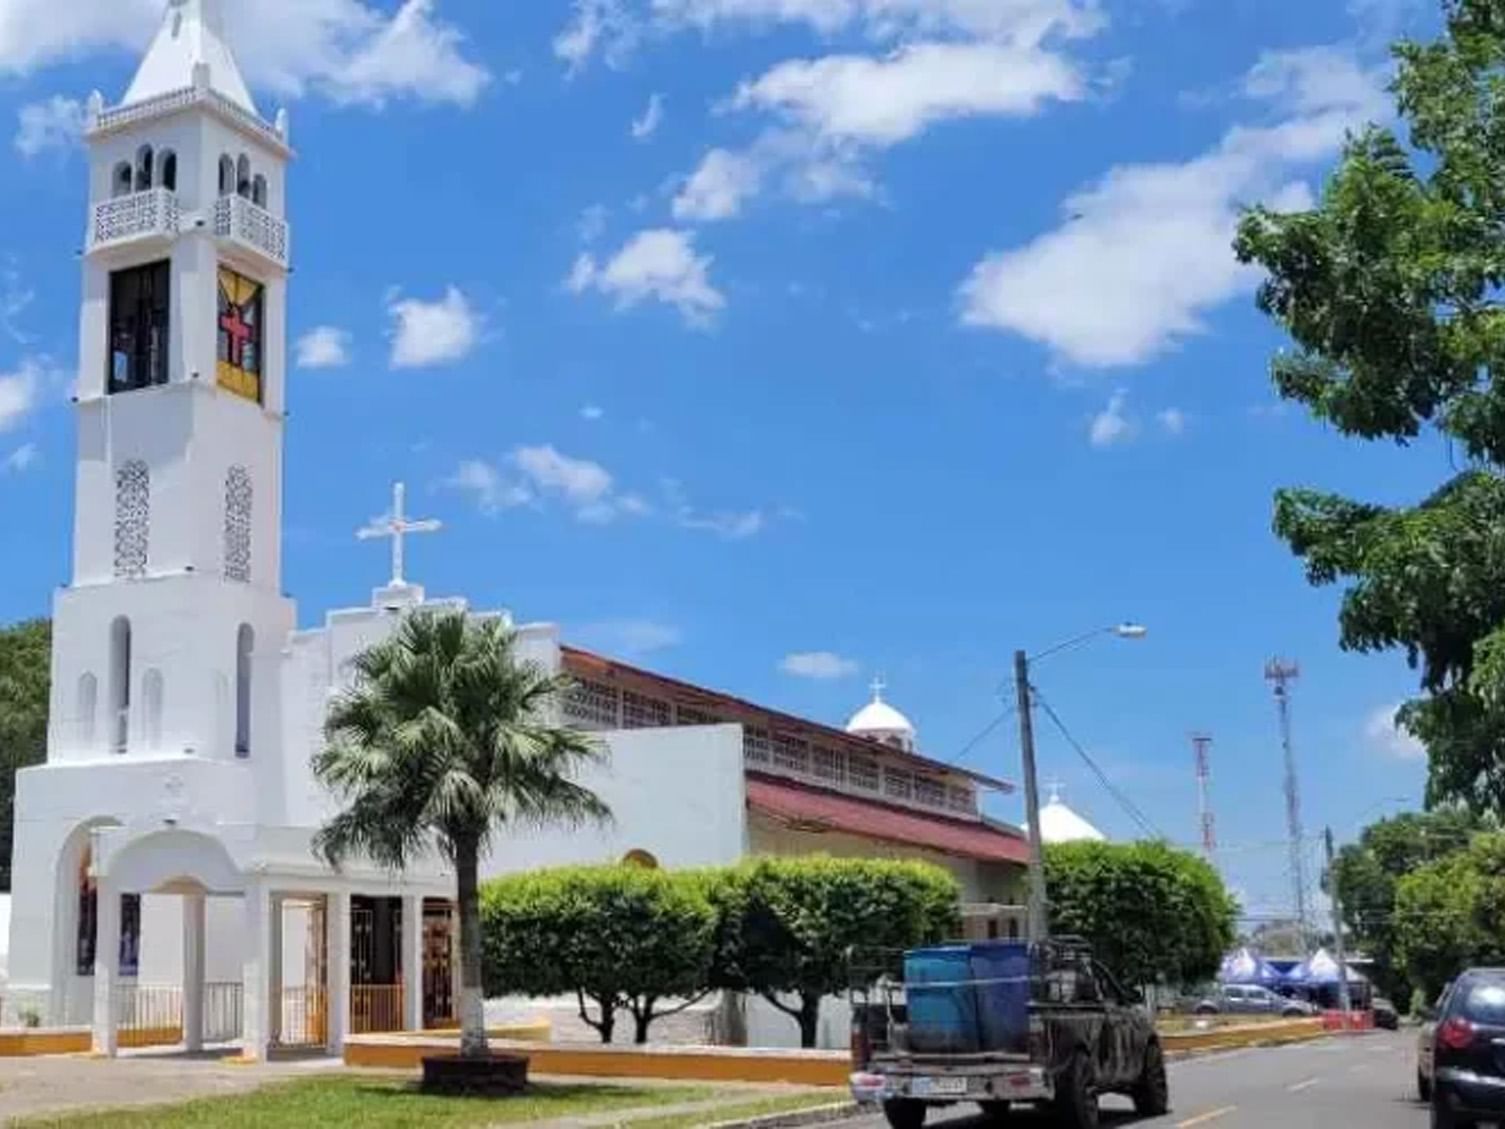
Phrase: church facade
(164, 876)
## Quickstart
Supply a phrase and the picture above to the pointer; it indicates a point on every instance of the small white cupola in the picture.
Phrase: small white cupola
(879, 721)
(1059, 824)
(190, 47)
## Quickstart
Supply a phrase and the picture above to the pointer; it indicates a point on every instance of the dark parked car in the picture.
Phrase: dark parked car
(1468, 1056)
(1386, 1018)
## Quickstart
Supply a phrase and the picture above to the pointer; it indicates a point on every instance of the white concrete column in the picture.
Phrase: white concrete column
(412, 963)
(193, 971)
(258, 995)
(107, 970)
(338, 924)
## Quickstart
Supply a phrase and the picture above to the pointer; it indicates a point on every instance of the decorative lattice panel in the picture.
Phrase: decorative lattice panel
(862, 773)
(828, 765)
(239, 495)
(791, 754)
(898, 785)
(931, 793)
(133, 514)
(591, 705)
(642, 712)
(963, 800)
(757, 748)
(688, 715)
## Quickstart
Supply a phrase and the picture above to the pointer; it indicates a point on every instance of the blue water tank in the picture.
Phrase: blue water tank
(943, 1016)
(1001, 980)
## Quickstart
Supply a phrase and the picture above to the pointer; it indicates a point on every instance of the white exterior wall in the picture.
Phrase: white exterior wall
(679, 794)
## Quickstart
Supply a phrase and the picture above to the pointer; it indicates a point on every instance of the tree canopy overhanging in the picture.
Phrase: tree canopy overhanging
(1390, 289)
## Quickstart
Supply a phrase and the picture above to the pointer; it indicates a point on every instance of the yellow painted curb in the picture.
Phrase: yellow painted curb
(1253, 1035)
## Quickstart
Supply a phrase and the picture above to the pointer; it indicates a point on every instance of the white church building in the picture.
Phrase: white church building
(165, 888)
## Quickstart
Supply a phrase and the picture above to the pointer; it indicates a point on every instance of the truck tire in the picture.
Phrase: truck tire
(905, 1113)
(1152, 1093)
(1076, 1095)
(997, 1113)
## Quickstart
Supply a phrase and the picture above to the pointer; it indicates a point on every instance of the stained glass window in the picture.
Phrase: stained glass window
(241, 306)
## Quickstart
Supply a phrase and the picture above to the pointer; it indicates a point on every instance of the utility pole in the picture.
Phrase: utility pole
(1345, 1002)
(1282, 674)
(1039, 917)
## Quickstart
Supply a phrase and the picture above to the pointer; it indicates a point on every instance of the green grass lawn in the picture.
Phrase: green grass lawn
(741, 1111)
(354, 1102)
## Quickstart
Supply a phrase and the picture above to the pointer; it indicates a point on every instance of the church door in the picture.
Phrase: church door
(438, 964)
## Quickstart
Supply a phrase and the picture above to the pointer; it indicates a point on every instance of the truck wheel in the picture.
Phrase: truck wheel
(997, 1113)
(1076, 1095)
(1152, 1093)
(903, 1113)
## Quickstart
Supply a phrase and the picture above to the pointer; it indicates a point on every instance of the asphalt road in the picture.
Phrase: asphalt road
(1364, 1082)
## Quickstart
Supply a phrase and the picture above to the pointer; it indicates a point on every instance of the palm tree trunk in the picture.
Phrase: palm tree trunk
(472, 993)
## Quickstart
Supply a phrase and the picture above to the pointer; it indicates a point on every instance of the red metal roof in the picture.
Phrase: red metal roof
(810, 808)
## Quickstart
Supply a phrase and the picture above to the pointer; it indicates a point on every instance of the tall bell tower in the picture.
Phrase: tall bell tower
(175, 603)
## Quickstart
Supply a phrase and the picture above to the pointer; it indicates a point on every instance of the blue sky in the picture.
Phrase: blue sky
(875, 335)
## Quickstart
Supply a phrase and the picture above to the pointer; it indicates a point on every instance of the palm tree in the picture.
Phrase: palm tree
(446, 738)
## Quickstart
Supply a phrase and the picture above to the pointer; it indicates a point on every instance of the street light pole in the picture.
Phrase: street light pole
(1345, 1001)
(1039, 919)
(1038, 906)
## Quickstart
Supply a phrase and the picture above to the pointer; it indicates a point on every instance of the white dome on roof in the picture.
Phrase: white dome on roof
(879, 721)
(1059, 824)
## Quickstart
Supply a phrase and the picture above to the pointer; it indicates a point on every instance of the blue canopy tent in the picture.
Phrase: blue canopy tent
(1319, 977)
(1245, 967)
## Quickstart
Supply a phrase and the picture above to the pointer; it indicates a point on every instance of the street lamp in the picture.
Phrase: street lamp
(1039, 919)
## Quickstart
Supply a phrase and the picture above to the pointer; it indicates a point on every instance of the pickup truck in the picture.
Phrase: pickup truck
(1043, 1024)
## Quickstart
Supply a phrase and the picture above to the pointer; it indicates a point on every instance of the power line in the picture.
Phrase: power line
(987, 732)
(1123, 801)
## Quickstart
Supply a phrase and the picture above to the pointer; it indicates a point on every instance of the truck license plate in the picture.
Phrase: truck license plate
(939, 1087)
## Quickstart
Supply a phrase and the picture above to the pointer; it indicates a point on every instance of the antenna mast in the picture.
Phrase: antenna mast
(1281, 674)
(1202, 744)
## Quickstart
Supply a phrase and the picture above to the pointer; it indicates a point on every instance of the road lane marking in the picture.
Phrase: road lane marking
(1299, 1086)
(1204, 1118)
(1359, 1068)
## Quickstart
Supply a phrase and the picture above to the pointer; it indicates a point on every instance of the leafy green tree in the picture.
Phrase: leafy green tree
(1152, 913)
(1367, 873)
(794, 926)
(1390, 290)
(446, 738)
(25, 683)
(616, 937)
(1450, 914)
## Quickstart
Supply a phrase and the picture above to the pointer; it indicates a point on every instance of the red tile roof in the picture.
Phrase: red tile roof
(809, 808)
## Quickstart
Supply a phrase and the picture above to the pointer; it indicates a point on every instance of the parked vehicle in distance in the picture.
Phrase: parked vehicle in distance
(1000, 1023)
(1386, 1017)
(1425, 1042)
(1468, 1066)
(1240, 999)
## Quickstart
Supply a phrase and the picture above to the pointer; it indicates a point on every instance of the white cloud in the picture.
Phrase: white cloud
(821, 665)
(324, 346)
(20, 460)
(585, 486)
(658, 264)
(1386, 737)
(592, 223)
(653, 116)
(883, 102)
(1172, 421)
(1155, 240)
(18, 394)
(485, 484)
(592, 413)
(1113, 425)
(57, 123)
(614, 28)
(716, 190)
(349, 50)
(433, 333)
(629, 638)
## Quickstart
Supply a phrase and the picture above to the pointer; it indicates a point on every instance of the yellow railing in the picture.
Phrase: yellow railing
(376, 1009)
(149, 1016)
(305, 1018)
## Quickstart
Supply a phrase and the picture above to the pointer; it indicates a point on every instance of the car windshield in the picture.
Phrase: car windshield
(1485, 1003)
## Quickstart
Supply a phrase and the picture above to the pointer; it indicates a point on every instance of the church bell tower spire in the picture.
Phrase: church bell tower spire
(176, 589)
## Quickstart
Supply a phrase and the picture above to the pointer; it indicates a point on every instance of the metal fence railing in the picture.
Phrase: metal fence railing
(376, 1009)
(305, 1018)
(149, 1015)
(222, 1012)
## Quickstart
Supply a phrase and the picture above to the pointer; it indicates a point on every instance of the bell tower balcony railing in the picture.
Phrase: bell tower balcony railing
(251, 227)
(153, 214)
